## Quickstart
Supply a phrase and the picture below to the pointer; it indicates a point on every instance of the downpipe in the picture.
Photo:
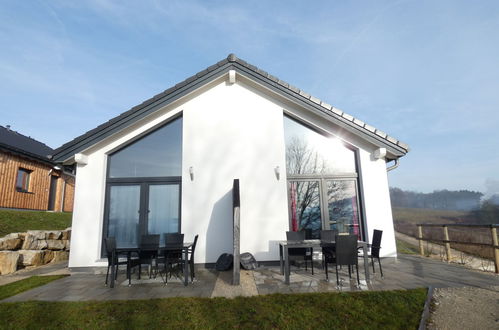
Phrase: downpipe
(394, 166)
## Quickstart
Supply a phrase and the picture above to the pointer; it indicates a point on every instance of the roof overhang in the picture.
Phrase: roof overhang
(396, 148)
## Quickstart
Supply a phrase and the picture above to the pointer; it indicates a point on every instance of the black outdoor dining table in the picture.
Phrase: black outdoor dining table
(129, 250)
(284, 247)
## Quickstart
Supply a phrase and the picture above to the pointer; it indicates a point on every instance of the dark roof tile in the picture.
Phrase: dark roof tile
(23, 143)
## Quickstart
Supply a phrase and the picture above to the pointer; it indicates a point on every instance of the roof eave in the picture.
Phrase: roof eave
(353, 125)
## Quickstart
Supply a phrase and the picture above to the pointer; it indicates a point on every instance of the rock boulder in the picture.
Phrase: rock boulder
(31, 257)
(10, 243)
(8, 262)
(60, 256)
(55, 244)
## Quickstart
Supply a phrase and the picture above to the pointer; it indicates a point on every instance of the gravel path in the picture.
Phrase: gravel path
(465, 308)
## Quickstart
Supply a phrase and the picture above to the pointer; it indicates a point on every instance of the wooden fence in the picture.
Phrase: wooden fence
(447, 242)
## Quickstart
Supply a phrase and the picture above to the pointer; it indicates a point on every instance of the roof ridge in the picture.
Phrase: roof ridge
(233, 60)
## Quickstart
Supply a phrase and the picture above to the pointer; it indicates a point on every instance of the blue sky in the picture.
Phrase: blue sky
(426, 72)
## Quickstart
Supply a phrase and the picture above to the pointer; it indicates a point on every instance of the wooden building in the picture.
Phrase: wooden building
(29, 179)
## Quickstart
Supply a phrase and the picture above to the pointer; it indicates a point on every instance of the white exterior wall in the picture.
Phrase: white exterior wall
(229, 132)
(377, 205)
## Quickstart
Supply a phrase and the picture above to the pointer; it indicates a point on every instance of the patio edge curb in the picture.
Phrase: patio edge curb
(426, 310)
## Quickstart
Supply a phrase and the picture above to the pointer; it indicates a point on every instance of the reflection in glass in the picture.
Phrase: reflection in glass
(124, 204)
(342, 206)
(308, 152)
(156, 154)
(305, 207)
(163, 210)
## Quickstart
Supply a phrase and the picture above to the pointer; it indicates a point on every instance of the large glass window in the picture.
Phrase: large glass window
(308, 152)
(143, 187)
(322, 182)
(158, 154)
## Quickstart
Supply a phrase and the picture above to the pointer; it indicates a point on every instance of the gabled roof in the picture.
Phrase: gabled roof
(18, 143)
(232, 62)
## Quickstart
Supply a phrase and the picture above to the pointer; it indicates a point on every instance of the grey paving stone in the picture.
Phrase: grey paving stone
(405, 272)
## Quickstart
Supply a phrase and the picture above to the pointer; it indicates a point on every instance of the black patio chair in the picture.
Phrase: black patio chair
(191, 259)
(327, 238)
(148, 252)
(191, 251)
(173, 258)
(110, 245)
(306, 253)
(345, 254)
(375, 247)
(328, 235)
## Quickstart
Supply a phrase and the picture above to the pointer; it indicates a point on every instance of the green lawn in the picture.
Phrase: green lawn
(14, 288)
(12, 221)
(414, 216)
(361, 310)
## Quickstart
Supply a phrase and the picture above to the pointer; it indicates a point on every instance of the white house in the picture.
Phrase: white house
(168, 164)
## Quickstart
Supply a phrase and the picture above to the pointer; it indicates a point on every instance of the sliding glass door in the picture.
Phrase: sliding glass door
(324, 204)
(124, 214)
(305, 200)
(141, 209)
(163, 213)
(342, 206)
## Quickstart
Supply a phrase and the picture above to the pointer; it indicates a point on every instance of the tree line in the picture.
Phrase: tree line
(481, 210)
(462, 200)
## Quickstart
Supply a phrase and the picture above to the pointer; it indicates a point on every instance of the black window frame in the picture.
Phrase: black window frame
(322, 178)
(143, 182)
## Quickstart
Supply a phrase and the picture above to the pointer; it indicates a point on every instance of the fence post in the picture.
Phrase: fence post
(420, 236)
(447, 244)
(493, 230)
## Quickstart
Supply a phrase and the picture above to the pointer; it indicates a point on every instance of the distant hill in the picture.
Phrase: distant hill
(462, 200)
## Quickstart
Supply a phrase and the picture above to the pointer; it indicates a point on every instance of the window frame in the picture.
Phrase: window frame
(322, 178)
(142, 182)
(25, 182)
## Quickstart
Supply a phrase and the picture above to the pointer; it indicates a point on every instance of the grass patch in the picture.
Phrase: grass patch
(414, 216)
(406, 248)
(375, 310)
(14, 221)
(11, 289)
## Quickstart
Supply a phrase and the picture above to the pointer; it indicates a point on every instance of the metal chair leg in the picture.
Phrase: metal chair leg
(380, 269)
(107, 273)
(337, 277)
(191, 265)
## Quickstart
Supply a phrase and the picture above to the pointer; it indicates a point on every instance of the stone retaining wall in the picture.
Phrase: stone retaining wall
(33, 248)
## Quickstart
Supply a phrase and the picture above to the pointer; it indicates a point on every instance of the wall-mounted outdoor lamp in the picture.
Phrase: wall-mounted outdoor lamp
(277, 171)
(191, 173)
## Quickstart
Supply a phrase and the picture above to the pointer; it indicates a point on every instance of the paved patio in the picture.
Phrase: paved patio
(405, 272)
